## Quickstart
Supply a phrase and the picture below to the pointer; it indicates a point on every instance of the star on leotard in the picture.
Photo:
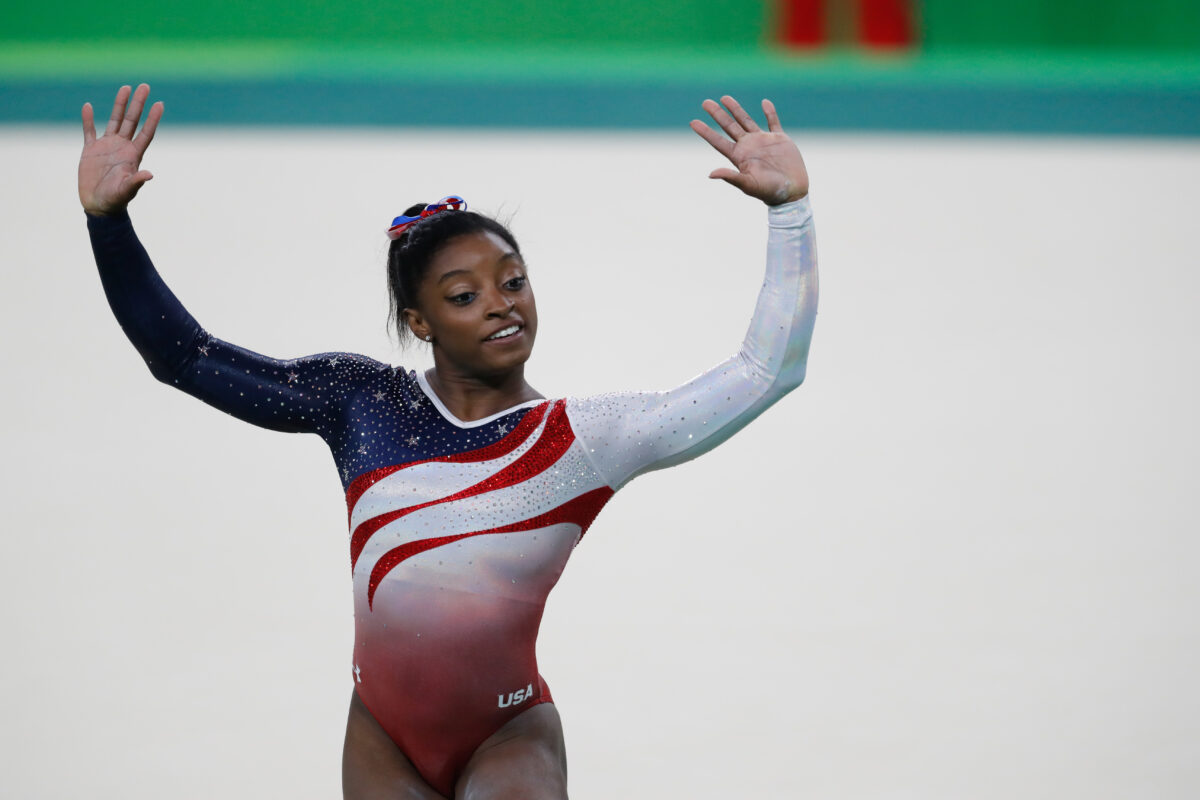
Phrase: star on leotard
(414, 404)
(292, 376)
(333, 361)
(379, 395)
(362, 449)
(412, 441)
(501, 429)
(203, 349)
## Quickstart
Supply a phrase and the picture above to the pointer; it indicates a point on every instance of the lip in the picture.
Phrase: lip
(520, 334)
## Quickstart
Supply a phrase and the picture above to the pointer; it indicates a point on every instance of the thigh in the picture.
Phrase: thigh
(524, 760)
(373, 767)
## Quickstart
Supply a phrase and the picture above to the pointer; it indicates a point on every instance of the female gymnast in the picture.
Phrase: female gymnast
(466, 489)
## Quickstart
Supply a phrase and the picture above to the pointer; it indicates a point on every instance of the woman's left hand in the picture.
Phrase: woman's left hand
(768, 163)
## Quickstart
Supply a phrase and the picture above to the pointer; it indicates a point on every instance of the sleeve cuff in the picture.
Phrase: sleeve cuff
(790, 215)
(110, 225)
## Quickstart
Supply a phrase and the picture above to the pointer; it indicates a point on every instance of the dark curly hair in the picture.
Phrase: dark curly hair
(410, 255)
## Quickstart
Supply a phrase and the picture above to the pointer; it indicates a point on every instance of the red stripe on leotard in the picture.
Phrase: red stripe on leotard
(554, 441)
(512, 441)
(581, 511)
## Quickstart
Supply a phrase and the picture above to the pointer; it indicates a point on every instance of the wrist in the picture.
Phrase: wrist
(786, 200)
(790, 192)
(106, 215)
(105, 211)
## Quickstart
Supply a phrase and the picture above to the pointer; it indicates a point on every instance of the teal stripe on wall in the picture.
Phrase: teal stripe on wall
(914, 107)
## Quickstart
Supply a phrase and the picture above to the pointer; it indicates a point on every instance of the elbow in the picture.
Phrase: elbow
(161, 372)
(775, 383)
(792, 378)
(168, 364)
(164, 370)
(792, 371)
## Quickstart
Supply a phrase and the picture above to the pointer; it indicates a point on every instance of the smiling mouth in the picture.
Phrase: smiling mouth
(511, 330)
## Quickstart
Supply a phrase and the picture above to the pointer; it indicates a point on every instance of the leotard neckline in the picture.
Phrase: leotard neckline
(475, 423)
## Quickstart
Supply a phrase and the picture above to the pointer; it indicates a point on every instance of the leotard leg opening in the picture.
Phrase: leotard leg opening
(441, 753)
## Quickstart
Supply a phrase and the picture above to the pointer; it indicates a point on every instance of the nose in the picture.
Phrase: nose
(501, 306)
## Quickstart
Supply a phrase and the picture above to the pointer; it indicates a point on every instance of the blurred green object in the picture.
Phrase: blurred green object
(1148, 25)
(748, 24)
(518, 23)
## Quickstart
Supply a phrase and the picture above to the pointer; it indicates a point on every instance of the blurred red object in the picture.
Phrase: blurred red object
(802, 22)
(885, 23)
(866, 23)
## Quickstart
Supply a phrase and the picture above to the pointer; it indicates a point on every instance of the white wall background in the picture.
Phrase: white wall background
(959, 562)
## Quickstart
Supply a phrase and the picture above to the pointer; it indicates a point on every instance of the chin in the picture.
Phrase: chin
(498, 364)
(513, 360)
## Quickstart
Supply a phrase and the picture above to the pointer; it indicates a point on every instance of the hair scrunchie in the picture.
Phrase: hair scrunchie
(448, 203)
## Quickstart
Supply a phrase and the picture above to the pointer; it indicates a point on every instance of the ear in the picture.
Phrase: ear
(416, 323)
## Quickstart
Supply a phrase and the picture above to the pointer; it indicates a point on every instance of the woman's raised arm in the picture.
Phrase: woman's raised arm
(294, 395)
(629, 433)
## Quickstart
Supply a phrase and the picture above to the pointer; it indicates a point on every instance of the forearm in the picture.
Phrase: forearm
(157, 324)
(775, 348)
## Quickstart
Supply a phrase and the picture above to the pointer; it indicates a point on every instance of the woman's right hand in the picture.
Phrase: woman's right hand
(109, 168)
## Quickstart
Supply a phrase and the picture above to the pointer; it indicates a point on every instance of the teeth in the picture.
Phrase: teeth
(509, 331)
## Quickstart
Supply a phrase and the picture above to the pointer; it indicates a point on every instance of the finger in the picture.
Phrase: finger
(89, 124)
(719, 142)
(722, 118)
(134, 112)
(114, 120)
(743, 118)
(146, 134)
(772, 117)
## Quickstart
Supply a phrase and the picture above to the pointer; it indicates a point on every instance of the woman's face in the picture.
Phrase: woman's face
(477, 304)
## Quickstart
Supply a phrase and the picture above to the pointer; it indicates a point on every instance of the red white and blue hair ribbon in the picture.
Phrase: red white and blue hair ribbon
(449, 203)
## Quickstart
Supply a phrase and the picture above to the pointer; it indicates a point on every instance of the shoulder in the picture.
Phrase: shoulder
(601, 405)
(600, 412)
(347, 362)
(340, 370)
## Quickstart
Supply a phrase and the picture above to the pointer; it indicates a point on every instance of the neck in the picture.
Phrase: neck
(472, 397)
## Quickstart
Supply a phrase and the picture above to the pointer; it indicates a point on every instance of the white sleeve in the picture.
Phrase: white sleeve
(628, 433)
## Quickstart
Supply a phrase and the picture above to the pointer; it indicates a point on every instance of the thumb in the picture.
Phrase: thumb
(730, 176)
(136, 182)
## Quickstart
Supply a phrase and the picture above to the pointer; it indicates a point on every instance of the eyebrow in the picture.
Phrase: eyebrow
(502, 259)
(452, 273)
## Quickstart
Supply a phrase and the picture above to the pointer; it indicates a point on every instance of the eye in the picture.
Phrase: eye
(516, 284)
(462, 299)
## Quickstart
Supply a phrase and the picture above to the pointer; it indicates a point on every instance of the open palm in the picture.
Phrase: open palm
(110, 171)
(768, 163)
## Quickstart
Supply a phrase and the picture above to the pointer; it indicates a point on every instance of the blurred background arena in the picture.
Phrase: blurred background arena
(959, 562)
(1113, 66)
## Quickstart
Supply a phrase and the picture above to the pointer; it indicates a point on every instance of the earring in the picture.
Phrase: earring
(428, 338)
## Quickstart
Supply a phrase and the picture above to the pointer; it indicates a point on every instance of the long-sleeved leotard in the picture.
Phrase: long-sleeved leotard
(458, 530)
